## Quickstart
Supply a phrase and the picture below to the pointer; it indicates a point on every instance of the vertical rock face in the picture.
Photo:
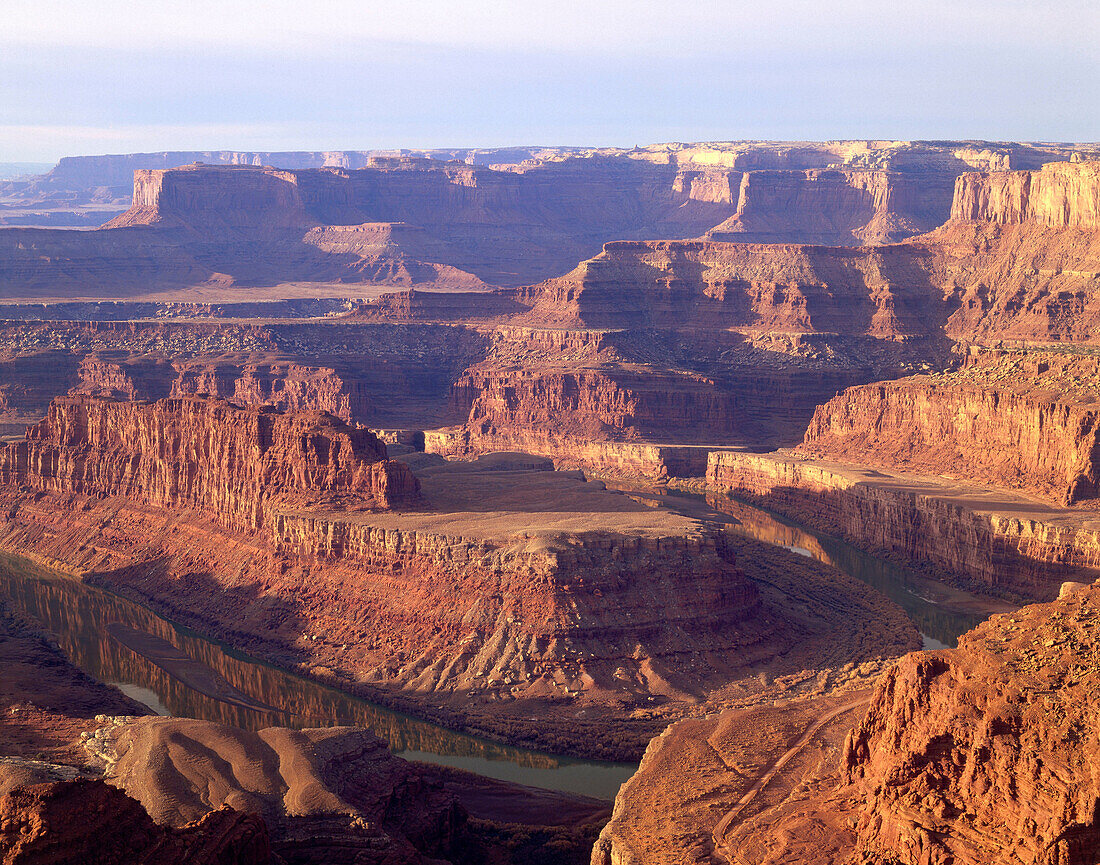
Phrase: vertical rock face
(1009, 544)
(879, 292)
(1023, 420)
(287, 386)
(986, 753)
(836, 207)
(90, 822)
(222, 197)
(1059, 195)
(205, 453)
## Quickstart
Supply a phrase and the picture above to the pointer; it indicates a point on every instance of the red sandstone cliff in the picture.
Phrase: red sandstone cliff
(1006, 543)
(523, 588)
(1016, 420)
(1060, 195)
(836, 207)
(1020, 256)
(203, 453)
(879, 292)
(985, 753)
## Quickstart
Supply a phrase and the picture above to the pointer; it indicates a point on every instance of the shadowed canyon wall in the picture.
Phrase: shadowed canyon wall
(1007, 545)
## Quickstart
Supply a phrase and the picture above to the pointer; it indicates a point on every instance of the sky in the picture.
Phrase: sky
(120, 76)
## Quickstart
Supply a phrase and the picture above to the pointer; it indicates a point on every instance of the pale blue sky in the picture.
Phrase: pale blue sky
(110, 76)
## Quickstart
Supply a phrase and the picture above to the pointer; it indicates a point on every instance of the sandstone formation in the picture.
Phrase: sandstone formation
(671, 342)
(701, 778)
(89, 821)
(78, 181)
(967, 755)
(460, 218)
(192, 452)
(990, 538)
(1018, 420)
(1021, 254)
(635, 387)
(332, 796)
(518, 588)
(1004, 737)
(1060, 195)
(835, 207)
(307, 784)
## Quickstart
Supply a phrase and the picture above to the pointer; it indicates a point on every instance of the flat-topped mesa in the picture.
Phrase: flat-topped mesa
(1059, 195)
(837, 207)
(863, 291)
(1010, 419)
(201, 452)
(222, 197)
(987, 752)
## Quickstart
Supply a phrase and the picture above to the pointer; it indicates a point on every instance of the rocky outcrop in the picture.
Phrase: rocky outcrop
(204, 453)
(334, 794)
(90, 821)
(1021, 255)
(522, 590)
(972, 755)
(1059, 195)
(1014, 420)
(878, 292)
(1002, 542)
(985, 752)
(836, 207)
(285, 385)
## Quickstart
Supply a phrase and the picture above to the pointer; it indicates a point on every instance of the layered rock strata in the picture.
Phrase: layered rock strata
(1022, 420)
(206, 454)
(992, 539)
(637, 387)
(969, 755)
(836, 207)
(411, 219)
(270, 530)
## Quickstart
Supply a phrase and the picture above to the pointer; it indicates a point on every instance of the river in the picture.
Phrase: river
(82, 619)
(181, 673)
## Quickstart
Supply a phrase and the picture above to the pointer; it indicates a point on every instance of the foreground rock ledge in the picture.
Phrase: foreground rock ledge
(979, 754)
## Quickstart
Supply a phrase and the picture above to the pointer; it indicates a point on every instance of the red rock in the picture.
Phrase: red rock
(90, 822)
(984, 753)
(1024, 420)
(988, 538)
(206, 453)
(836, 207)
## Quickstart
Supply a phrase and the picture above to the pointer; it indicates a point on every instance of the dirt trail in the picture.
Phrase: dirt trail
(723, 827)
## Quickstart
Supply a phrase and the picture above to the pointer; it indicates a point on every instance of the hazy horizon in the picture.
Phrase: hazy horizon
(114, 76)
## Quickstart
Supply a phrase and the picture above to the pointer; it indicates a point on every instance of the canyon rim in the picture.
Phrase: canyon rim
(727, 499)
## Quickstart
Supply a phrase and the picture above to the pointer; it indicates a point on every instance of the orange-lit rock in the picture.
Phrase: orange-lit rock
(203, 453)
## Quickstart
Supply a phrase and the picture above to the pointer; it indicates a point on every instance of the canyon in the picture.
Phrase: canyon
(454, 432)
(972, 754)
(201, 222)
(482, 589)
